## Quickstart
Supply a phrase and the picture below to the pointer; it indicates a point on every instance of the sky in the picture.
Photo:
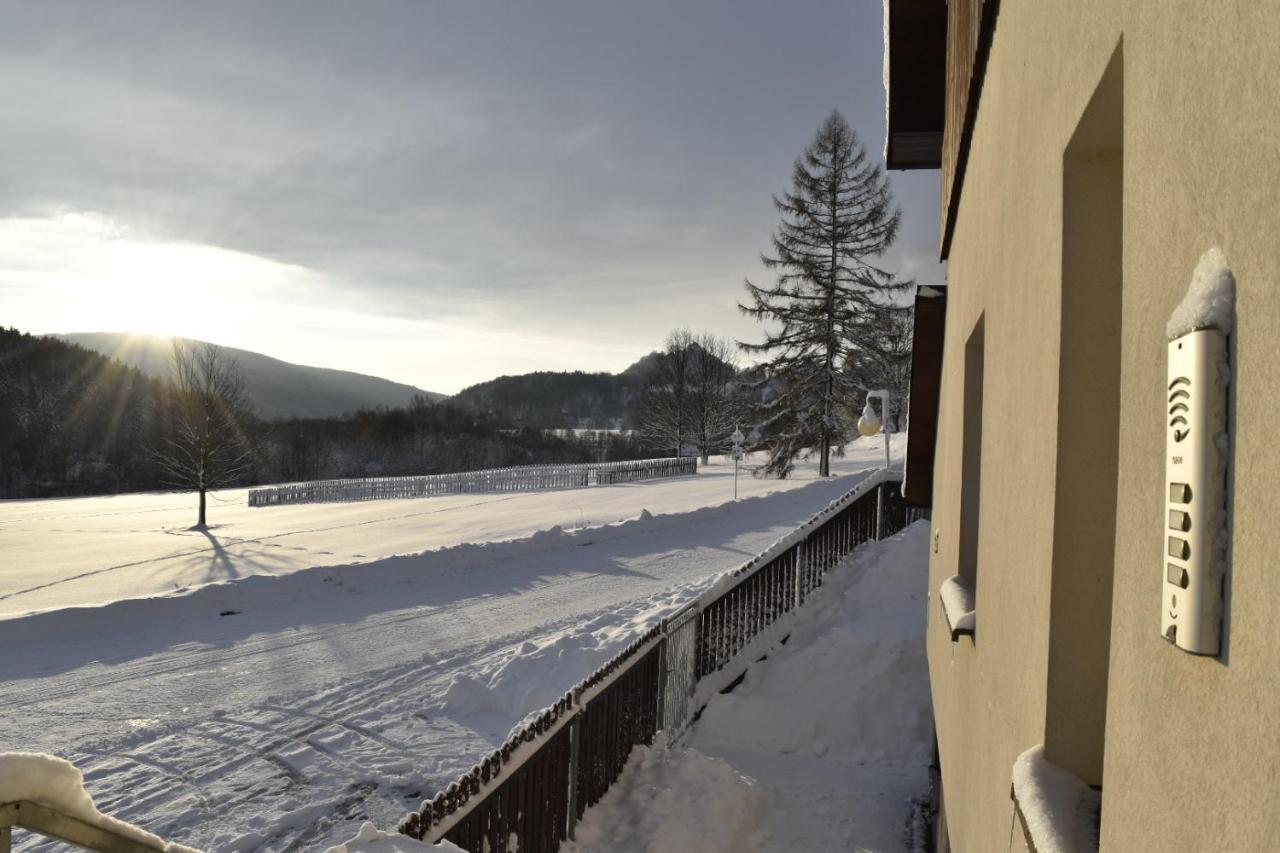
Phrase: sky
(434, 192)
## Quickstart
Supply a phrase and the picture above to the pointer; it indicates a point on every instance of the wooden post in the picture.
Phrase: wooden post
(663, 670)
(575, 733)
(880, 511)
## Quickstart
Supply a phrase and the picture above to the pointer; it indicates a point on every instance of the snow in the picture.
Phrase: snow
(796, 535)
(675, 800)
(824, 746)
(57, 783)
(1210, 300)
(346, 686)
(370, 839)
(884, 77)
(1059, 809)
(84, 551)
(958, 603)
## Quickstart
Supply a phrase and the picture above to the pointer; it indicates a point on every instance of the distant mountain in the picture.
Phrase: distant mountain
(278, 389)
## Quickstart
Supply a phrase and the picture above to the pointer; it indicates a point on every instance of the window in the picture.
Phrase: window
(971, 456)
(1088, 425)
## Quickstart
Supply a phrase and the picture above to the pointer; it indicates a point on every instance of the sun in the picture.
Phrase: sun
(179, 289)
(164, 289)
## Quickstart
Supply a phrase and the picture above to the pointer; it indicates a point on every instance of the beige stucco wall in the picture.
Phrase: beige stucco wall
(1192, 753)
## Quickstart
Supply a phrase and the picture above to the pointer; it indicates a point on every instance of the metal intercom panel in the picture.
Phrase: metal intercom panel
(1195, 480)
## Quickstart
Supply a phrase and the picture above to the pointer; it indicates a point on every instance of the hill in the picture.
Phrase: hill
(547, 400)
(564, 400)
(278, 389)
(75, 422)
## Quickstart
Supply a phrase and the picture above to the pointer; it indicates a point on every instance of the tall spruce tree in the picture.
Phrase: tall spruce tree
(828, 312)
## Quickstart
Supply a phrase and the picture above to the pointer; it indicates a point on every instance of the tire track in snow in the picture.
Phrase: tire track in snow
(397, 707)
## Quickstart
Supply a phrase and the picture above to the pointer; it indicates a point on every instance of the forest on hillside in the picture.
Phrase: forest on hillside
(73, 422)
(564, 400)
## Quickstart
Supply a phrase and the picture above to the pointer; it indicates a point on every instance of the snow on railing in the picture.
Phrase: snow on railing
(45, 794)
(529, 794)
(522, 478)
(537, 784)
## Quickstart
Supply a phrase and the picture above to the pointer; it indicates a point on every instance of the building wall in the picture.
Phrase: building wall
(1192, 748)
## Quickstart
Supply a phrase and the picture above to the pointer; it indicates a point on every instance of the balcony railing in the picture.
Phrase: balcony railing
(528, 795)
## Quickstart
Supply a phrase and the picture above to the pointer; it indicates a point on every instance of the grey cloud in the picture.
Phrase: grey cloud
(433, 156)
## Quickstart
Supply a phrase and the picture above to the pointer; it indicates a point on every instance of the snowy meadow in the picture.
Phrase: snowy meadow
(270, 683)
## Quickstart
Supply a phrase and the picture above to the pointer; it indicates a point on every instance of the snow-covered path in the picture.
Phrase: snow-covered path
(824, 746)
(265, 712)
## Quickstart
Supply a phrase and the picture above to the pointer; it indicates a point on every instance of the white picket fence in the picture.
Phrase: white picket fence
(524, 478)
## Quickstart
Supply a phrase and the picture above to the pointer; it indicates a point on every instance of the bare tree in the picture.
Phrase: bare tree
(663, 415)
(207, 448)
(715, 404)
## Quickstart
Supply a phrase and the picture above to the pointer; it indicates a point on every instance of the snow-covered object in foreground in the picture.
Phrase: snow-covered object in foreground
(671, 799)
(1060, 811)
(958, 603)
(58, 784)
(1210, 300)
(375, 840)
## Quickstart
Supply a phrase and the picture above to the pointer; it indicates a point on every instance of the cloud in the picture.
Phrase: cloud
(588, 173)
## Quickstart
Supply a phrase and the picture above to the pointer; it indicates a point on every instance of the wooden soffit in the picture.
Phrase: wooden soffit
(970, 28)
(926, 383)
(915, 76)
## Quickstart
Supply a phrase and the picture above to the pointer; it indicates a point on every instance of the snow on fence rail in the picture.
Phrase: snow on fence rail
(529, 794)
(523, 478)
(45, 795)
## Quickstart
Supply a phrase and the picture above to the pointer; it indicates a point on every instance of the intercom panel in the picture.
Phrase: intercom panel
(1194, 536)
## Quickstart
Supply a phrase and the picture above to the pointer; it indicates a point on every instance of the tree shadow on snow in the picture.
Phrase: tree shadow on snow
(654, 553)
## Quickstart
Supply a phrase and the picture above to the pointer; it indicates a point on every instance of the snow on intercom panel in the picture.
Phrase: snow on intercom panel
(1195, 475)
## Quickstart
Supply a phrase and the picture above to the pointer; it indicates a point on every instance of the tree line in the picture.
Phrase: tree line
(74, 422)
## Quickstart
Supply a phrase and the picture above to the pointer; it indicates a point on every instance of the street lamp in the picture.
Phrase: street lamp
(737, 439)
(869, 424)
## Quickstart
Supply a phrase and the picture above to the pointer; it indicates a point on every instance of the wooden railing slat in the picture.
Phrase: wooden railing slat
(50, 823)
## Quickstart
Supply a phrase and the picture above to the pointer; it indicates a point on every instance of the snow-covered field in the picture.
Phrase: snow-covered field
(300, 668)
(824, 746)
(70, 552)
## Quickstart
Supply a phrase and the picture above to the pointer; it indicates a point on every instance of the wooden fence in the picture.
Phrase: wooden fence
(54, 823)
(523, 478)
(527, 796)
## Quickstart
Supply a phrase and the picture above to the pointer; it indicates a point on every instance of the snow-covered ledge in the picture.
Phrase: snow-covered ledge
(1058, 811)
(46, 794)
(957, 603)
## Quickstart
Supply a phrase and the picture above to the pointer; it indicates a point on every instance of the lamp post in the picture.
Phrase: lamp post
(869, 424)
(736, 438)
